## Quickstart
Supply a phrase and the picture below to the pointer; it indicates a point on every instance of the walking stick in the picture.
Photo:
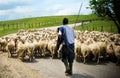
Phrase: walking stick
(78, 14)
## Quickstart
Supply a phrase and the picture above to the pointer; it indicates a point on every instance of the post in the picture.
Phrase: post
(93, 28)
(8, 26)
(111, 28)
(17, 25)
(101, 28)
(3, 26)
(29, 25)
(39, 24)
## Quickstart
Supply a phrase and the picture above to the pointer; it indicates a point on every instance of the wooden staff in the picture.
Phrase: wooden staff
(78, 14)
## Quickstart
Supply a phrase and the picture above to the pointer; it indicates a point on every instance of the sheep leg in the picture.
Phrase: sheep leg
(98, 58)
(30, 55)
(117, 61)
(84, 60)
(8, 54)
(95, 56)
(22, 54)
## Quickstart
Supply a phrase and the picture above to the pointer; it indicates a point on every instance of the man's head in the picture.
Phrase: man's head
(65, 21)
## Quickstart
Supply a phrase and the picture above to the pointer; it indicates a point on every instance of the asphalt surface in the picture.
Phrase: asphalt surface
(54, 68)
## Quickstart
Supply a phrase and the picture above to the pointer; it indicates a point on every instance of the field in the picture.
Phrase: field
(105, 25)
(96, 23)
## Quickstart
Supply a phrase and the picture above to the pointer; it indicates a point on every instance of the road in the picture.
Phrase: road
(54, 68)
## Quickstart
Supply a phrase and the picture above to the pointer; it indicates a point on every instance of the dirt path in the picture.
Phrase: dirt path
(14, 68)
(54, 68)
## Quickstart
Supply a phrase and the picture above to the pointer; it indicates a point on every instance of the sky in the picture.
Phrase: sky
(17, 9)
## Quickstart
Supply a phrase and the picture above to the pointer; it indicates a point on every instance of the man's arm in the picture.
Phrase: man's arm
(59, 34)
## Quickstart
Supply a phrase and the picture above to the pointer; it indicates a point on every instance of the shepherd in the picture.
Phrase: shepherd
(66, 37)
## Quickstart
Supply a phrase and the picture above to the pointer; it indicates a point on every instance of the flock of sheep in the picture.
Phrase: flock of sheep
(37, 43)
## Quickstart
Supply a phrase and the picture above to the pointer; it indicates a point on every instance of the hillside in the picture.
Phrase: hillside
(12, 26)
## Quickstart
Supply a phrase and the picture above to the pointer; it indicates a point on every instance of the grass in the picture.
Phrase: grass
(72, 18)
(105, 25)
(12, 26)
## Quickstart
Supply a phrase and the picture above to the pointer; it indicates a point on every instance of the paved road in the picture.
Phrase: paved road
(54, 68)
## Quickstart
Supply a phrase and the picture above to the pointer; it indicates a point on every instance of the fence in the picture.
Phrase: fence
(17, 26)
(27, 25)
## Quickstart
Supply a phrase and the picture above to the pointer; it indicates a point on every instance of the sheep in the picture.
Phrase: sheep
(51, 47)
(78, 53)
(44, 40)
(102, 47)
(21, 49)
(43, 44)
(37, 51)
(85, 51)
(94, 48)
(3, 43)
(30, 49)
(11, 47)
(117, 53)
(110, 50)
(25, 48)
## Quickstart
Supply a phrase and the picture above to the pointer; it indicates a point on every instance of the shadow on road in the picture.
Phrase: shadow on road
(95, 63)
(81, 76)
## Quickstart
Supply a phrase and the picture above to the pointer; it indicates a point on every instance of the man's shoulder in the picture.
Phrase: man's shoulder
(61, 28)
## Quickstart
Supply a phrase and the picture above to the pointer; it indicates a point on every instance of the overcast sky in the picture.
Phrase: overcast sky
(16, 9)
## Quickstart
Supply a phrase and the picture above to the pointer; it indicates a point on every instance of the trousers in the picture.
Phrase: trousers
(68, 53)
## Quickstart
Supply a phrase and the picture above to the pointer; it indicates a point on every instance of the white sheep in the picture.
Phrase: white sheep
(3, 43)
(117, 53)
(85, 50)
(11, 47)
(51, 47)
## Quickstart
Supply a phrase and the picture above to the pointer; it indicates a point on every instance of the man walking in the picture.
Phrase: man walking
(66, 36)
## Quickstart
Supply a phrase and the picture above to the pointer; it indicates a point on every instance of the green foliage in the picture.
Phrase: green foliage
(102, 7)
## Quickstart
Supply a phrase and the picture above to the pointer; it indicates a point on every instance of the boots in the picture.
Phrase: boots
(68, 68)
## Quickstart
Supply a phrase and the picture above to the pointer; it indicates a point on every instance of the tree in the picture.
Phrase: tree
(110, 8)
